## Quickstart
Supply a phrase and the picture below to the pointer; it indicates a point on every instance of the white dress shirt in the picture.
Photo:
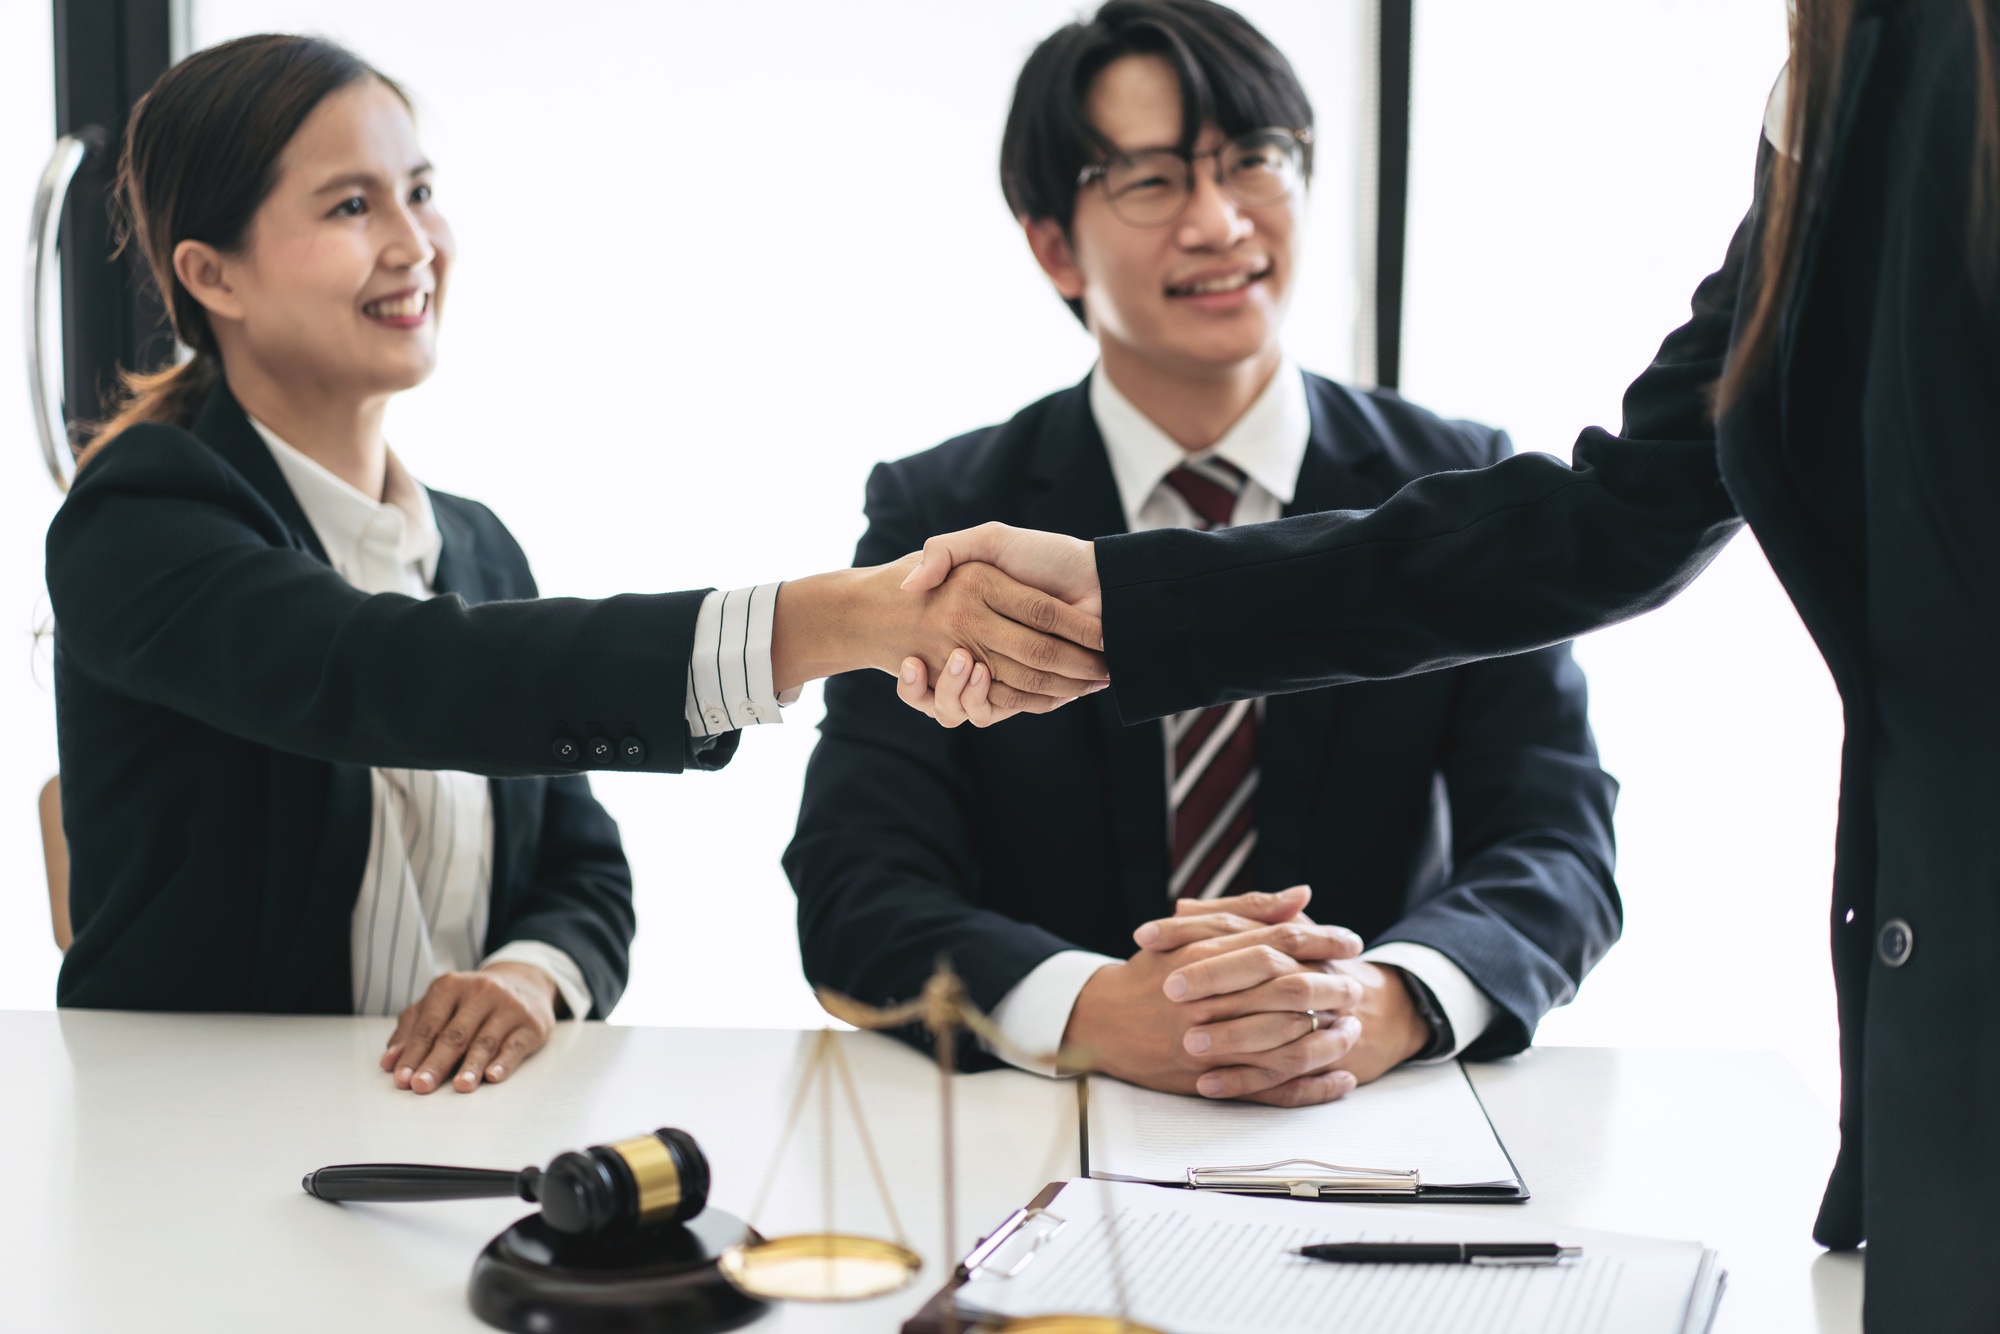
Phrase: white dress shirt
(1268, 442)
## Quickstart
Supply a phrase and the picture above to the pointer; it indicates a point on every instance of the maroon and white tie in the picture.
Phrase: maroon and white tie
(1211, 753)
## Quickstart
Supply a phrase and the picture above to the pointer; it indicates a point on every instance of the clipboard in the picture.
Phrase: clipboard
(932, 1317)
(1312, 1179)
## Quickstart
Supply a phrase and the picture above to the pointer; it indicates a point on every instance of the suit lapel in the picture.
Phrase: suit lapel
(1071, 490)
(303, 936)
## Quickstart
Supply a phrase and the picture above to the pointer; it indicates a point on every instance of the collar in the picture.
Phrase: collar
(341, 515)
(1268, 442)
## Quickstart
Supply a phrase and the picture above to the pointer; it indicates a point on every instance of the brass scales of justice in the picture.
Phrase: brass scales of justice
(831, 1266)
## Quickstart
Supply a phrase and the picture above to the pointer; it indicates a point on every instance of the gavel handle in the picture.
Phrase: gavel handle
(416, 1181)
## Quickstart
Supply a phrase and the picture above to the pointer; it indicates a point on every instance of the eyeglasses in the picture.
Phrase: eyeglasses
(1151, 189)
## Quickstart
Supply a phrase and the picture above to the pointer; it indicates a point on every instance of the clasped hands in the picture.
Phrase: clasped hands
(1221, 997)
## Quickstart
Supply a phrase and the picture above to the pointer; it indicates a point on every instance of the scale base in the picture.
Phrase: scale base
(660, 1280)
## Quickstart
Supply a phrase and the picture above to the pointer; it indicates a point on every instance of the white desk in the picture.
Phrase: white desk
(154, 1163)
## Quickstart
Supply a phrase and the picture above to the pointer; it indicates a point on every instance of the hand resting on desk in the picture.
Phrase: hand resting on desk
(1240, 935)
(481, 1025)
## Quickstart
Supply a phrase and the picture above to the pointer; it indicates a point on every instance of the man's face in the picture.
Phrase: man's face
(1201, 294)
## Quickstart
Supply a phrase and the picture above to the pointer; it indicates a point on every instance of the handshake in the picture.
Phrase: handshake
(1247, 998)
(1027, 616)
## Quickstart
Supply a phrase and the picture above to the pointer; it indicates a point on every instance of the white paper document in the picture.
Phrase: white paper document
(1424, 1117)
(1190, 1262)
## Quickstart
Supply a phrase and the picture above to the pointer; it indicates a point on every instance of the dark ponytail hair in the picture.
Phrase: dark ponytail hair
(200, 156)
(1820, 29)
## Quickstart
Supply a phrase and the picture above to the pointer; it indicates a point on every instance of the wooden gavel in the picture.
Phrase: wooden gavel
(656, 1178)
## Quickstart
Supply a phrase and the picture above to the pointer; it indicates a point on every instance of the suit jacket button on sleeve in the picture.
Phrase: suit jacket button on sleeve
(631, 752)
(1895, 942)
(565, 750)
(598, 749)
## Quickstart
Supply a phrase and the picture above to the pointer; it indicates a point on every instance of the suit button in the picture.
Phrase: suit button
(1894, 942)
(631, 752)
(565, 750)
(598, 749)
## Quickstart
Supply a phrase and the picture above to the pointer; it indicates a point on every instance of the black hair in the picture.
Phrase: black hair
(1231, 76)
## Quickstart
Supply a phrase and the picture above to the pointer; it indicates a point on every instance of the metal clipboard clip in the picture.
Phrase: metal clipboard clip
(981, 1260)
(1330, 1179)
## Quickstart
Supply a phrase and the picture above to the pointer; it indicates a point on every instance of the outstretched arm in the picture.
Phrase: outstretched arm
(1454, 567)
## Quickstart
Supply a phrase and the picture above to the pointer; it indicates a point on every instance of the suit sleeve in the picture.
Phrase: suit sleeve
(172, 583)
(1530, 904)
(885, 861)
(1453, 568)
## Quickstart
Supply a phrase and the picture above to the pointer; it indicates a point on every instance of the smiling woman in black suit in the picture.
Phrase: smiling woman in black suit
(1851, 341)
(288, 675)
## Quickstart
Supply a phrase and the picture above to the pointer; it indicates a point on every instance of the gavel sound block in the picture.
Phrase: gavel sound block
(624, 1240)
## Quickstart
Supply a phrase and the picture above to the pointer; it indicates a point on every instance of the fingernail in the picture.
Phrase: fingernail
(1344, 1081)
(915, 570)
(958, 661)
(1096, 686)
(1350, 1025)
(1294, 892)
(1146, 934)
(1176, 987)
(1197, 1041)
(496, 1072)
(909, 672)
(426, 1079)
(1208, 1085)
(403, 1075)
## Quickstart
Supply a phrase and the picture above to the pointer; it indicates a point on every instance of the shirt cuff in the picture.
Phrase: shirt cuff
(1035, 1014)
(558, 965)
(1465, 1006)
(729, 673)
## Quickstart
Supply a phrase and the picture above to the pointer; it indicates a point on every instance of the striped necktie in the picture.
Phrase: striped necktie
(1211, 753)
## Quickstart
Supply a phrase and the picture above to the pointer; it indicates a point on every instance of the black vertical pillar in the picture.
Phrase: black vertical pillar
(1392, 185)
(107, 54)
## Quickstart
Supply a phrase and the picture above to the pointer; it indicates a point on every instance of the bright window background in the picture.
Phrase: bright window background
(1577, 168)
(718, 260)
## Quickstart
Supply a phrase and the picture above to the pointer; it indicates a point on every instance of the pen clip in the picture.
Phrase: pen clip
(978, 1262)
(1499, 1261)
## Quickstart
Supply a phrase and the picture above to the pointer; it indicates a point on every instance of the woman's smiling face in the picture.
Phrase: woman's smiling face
(340, 279)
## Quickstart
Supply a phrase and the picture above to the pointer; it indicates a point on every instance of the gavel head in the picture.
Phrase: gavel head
(656, 1178)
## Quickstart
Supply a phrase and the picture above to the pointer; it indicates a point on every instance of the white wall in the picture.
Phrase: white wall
(1577, 168)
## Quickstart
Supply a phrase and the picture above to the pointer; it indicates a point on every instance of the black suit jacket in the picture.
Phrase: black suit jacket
(1461, 810)
(221, 694)
(1867, 459)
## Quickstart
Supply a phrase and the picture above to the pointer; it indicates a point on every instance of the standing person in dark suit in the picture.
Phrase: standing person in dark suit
(1457, 822)
(288, 676)
(1836, 389)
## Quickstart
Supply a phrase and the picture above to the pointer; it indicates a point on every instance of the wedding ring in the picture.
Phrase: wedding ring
(1314, 1016)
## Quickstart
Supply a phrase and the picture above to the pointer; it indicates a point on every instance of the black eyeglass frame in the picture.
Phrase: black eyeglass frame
(1301, 138)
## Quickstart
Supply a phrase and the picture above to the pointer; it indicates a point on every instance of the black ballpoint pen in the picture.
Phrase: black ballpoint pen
(1442, 1252)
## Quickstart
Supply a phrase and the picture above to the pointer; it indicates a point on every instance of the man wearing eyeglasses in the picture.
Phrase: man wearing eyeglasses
(1456, 824)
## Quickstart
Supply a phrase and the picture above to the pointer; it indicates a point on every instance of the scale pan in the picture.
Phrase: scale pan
(819, 1267)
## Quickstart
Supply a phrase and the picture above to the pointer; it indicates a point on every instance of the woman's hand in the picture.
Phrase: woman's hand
(1033, 652)
(481, 1025)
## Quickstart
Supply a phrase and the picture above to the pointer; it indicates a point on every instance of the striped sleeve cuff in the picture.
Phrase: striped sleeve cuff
(729, 673)
(556, 963)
